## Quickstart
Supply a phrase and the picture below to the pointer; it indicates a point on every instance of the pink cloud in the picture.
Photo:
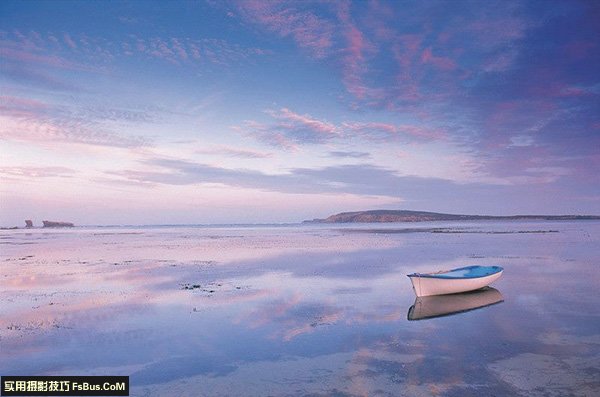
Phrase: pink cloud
(49, 131)
(21, 107)
(69, 41)
(29, 120)
(405, 53)
(292, 119)
(179, 49)
(440, 62)
(195, 51)
(308, 30)
(39, 51)
(290, 130)
(31, 42)
(29, 57)
(37, 172)
(267, 134)
(380, 16)
(160, 49)
(354, 62)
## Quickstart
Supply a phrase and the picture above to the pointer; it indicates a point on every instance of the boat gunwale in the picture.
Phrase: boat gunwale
(444, 275)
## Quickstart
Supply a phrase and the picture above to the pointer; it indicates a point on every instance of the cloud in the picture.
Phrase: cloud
(31, 58)
(364, 180)
(354, 155)
(44, 131)
(188, 51)
(290, 129)
(234, 152)
(40, 79)
(430, 57)
(440, 62)
(367, 180)
(390, 132)
(309, 31)
(37, 172)
(69, 41)
(357, 50)
(21, 107)
(94, 54)
(29, 120)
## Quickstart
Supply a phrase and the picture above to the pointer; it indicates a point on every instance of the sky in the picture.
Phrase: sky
(187, 112)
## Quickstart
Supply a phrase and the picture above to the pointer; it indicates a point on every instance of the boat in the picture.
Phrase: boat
(454, 281)
(447, 305)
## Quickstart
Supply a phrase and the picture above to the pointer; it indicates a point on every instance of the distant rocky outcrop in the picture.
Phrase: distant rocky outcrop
(378, 216)
(28, 223)
(57, 224)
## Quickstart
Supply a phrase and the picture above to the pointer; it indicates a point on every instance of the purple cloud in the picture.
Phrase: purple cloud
(390, 132)
(363, 180)
(352, 155)
(234, 152)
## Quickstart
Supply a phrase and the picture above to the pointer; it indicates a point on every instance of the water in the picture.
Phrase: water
(304, 310)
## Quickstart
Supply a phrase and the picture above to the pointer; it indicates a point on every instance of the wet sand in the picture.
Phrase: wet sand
(303, 310)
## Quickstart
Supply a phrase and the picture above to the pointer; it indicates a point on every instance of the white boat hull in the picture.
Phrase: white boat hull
(427, 286)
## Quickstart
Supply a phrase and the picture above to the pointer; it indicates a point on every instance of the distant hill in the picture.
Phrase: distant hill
(422, 216)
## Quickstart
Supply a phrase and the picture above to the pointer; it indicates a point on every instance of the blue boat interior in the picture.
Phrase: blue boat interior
(462, 272)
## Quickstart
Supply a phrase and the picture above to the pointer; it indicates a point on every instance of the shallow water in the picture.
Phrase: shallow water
(303, 310)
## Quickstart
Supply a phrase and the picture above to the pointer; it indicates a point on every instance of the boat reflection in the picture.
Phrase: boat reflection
(447, 305)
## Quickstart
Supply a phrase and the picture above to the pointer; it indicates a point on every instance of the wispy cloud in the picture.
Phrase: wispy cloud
(37, 172)
(357, 48)
(287, 19)
(32, 58)
(93, 54)
(428, 61)
(37, 77)
(234, 152)
(365, 179)
(443, 63)
(29, 120)
(390, 132)
(290, 129)
(353, 155)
